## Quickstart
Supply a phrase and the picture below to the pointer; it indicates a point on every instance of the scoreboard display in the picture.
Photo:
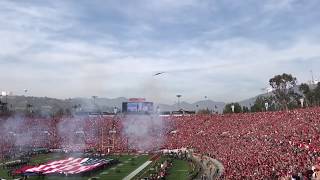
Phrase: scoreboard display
(137, 107)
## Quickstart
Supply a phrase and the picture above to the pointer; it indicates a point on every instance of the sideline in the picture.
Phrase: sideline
(135, 172)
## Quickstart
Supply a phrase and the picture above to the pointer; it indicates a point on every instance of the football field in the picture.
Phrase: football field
(180, 170)
(126, 165)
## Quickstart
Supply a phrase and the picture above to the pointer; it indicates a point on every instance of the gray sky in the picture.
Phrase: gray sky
(226, 50)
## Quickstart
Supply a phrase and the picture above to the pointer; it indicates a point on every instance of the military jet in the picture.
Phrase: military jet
(156, 74)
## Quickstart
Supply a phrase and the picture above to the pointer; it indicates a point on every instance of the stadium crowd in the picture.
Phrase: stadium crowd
(266, 145)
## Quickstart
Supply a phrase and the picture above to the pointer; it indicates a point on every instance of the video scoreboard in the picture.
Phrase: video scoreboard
(137, 105)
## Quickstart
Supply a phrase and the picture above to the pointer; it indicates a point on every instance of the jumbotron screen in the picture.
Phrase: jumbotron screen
(137, 107)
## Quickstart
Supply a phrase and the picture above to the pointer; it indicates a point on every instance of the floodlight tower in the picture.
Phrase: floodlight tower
(205, 99)
(94, 99)
(96, 105)
(25, 95)
(179, 96)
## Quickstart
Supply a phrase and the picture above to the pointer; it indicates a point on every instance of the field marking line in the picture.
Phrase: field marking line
(135, 172)
(104, 173)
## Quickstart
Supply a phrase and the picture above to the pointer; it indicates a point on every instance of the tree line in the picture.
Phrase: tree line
(285, 95)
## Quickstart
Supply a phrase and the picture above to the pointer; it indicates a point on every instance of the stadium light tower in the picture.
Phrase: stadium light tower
(205, 99)
(94, 101)
(178, 96)
(94, 98)
(25, 95)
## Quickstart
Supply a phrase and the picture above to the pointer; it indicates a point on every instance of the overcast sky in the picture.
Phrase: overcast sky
(226, 50)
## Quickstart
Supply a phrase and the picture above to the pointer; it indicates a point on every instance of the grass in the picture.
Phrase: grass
(179, 170)
(3, 173)
(127, 164)
(150, 169)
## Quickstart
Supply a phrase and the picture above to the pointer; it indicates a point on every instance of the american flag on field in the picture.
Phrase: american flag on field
(69, 166)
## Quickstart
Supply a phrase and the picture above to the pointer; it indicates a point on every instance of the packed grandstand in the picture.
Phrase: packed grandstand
(263, 145)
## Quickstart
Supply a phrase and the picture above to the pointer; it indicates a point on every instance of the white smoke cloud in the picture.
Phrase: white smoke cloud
(71, 133)
(144, 132)
(23, 131)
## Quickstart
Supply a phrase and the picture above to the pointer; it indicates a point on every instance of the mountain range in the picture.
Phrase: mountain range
(106, 104)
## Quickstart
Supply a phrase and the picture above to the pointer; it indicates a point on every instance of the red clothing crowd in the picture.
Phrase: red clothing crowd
(266, 145)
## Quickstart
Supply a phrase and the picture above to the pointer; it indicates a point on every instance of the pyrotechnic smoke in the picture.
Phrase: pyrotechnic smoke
(71, 132)
(13, 127)
(144, 132)
(23, 132)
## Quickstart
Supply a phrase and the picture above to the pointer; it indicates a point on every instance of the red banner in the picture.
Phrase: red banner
(137, 99)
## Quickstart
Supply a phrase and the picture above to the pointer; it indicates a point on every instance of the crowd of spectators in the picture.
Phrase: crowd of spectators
(266, 145)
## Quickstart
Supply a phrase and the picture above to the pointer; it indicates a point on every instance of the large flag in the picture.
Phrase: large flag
(69, 166)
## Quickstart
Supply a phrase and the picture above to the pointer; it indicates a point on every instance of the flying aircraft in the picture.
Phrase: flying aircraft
(156, 74)
(192, 69)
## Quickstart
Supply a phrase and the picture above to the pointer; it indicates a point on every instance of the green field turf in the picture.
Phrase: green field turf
(3, 173)
(179, 171)
(127, 164)
(150, 169)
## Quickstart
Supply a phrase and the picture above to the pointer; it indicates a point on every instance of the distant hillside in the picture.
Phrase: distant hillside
(104, 104)
(249, 102)
(204, 104)
(18, 103)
